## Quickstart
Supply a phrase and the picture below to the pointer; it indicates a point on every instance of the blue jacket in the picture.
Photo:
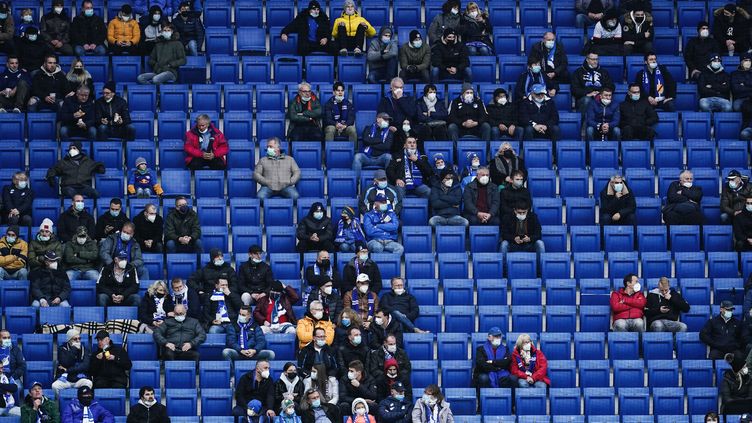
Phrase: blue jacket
(392, 410)
(9, 79)
(376, 228)
(597, 113)
(256, 339)
(190, 29)
(349, 234)
(75, 411)
(17, 363)
(331, 117)
(446, 203)
(75, 361)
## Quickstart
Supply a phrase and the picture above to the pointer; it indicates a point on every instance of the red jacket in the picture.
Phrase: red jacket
(625, 306)
(517, 366)
(289, 298)
(217, 145)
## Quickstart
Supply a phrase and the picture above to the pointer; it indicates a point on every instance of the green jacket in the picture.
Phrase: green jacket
(81, 257)
(177, 225)
(28, 415)
(168, 55)
(298, 114)
(37, 250)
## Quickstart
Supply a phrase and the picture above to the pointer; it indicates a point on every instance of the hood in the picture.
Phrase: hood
(315, 206)
(655, 291)
(57, 69)
(385, 28)
(739, 11)
(628, 19)
(357, 401)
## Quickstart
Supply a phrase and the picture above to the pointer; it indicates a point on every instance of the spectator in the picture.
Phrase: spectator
(77, 77)
(179, 337)
(7, 28)
(384, 327)
(377, 142)
(431, 407)
(638, 30)
(514, 193)
(149, 230)
(521, 232)
(468, 116)
(380, 186)
(736, 387)
(312, 27)
(73, 359)
(187, 297)
(77, 116)
(743, 227)
(55, 29)
(698, 50)
(636, 116)
(388, 349)
(274, 311)
(204, 279)
(397, 105)
(220, 307)
(415, 59)
(313, 407)
(602, 117)
(588, 80)
(360, 412)
(151, 25)
(733, 195)
(591, 11)
(714, 87)
(182, 230)
(618, 205)
(313, 319)
(38, 406)
(339, 115)
(722, 333)
(50, 286)
(553, 58)
(111, 221)
(120, 241)
(356, 387)
(327, 385)
(330, 299)
(84, 406)
(15, 84)
(245, 340)
(657, 84)
(205, 146)
(731, 26)
(448, 18)
(189, 27)
(481, 200)
(450, 59)
(304, 113)
(663, 307)
(502, 117)
(112, 115)
(476, 31)
(503, 166)
(254, 277)
(253, 412)
(33, 53)
(607, 36)
(71, 219)
(382, 56)
(410, 171)
(13, 361)
(148, 409)
(362, 300)
(13, 255)
(317, 353)
(141, 182)
(166, 58)
(741, 82)
(392, 375)
(277, 173)
(628, 306)
(446, 200)
(361, 264)
(395, 408)
(315, 231)
(81, 258)
(746, 132)
(123, 33)
(381, 226)
(539, 115)
(347, 318)
(287, 411)
(492, 363)
(110, 363)
(351, 349)
(255, 385)
(711, 417)
(17, 200)
(529, 365)
(432, 115)
(75, 171)
(118, 283)
(8, 389)
(48, 86)
(26, 21)
(156, 306)
(321, 272)
(350, 30)
(683, 202)
(533, 75)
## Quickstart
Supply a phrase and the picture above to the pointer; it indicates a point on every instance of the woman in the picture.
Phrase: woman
(476, 30)
(504, 164)
(350, 30)
(347, 318)
(529, 364)
(617, 203)
(432, 115)
(151, 28)
(448, 18)
(78, 76)
(289, 386)
(319, 379)
(431, 407)
(156, 305)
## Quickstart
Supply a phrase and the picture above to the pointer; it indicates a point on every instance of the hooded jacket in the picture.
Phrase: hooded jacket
(518, 368)
(119, 30)
(74, 171)
(392, 410)
(13, 257)
(55, 26)
(725, 29)
(74, 360)
(631, 31)
(71, 105)
(472, 30)
(530, 112)
(732, 200)
(351, 23)
(81, 257)
(351, 272)
(75, 412)
(232, 302)
(624, 205)
(586, 80)
(420, 412)
(38, 248)
(49, 407)
(70, 220)
(381, 225)
(304, 115)
(560, 62)
(255, 339)
(625, 306)
(445, 19)
(255, 277)
(178, 225)
(110, 246)
(305, 329)
(655, 301)
(49, 284)
(299, 26)
(470, 199)
(277, 173)
(444, 56)
(741, 81)
(287, 299)
(107, 284)
(598, 114)
(31, 55)
(45, 83)
(309, 226)
(204, 279)
(168, 55)
(376, 57)
(396, 168)
(190, 29)
(217, 144)
(714, 83)
(88, 30)
(446, 202)
(459, 111)
(636, 113)
(722, 335)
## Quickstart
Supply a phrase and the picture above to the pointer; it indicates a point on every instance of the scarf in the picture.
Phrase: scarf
(350, 233)
(528, 368)
(181, 297)
(550, 57)
(243, 336)
(205, 140)
(431, 413)
(221, 313)
(413, 177)
(159, 314)
(658, 82)
(88, 417)
(7, 396)
(430, 105)
(592, 76)
(494, 355)
(290, 386)
(356, 302)
(341, 111)
(384, 133)
(119, 246)
(276, 307)
(532, 79)
(317, 270)
(5, 359)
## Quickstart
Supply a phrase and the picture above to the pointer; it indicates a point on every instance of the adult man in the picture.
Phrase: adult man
(111, 221)
(731, 28)
(743, 227)
(588, 80)
(683, 201)
(591, 11)
(531, 76)
(381, 226)
(44, 241)
(313, 29)
(381, 56)
(204, 279)
(205, 146)
(539, 116)
(415, 59)
(339, 114)
(321, 272)
(276, 172)
(356, 384)
(481, 200)
(315, 231)
(351, 349)
(602, 117)
(255, 276)
(377, 145)
(123, 241)
(112, 115)
(7, 27)
(37, 406)
(663, 307)
(123, 32)
(148, 409)
(514, 193)
(396, 408)
(49, 285)
(502, 117)
(220, 308)
(32, 50)
(318, 352)
(77, 116)
(388, 349)
(182, 230)
(318, 411)
(446, 200)
(55, 29)
(88, 32)
(180, 336)
(397, 105)
(188, 297)
(638, 31)
(13, 255)
(468, 116)
(741, 82)
(75, 171)
(48, 86)
(304, 113)
(657, 84)
(361, 263)
(256, 384)
(73, 218)
(84, 406)
(188, 25)
(165, 59)
(310, 323)
(332, 301)
(362, 300)
(149, 229)
(722, 333)
(628, 306)
(15, 84)
(733, 195)
(384, 325)
(450, 59)
(118, 283)
(492, 361)
(245, 340)
(17, 198)
(410, 172)
(521, 231)
(380, 186)
(11, 358)
(636, 116)
(72, 369)
(714, 86)
(110, 363)
(553, 58)
(698, 49)
(403, 305)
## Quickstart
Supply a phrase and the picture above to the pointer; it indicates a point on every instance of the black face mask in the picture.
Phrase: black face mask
(185, 13)
(158, 295)
(325, 263)
(86, 401)
(508, 154)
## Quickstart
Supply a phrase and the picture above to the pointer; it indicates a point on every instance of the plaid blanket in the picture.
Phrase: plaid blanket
(123, 326)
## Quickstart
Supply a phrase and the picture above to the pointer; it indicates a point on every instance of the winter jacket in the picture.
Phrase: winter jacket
(472, 30)
(69, 222)
(375, 56)
(598, 114)
(289, 297)
(366, 201)
(630, 31)
(378, 334)
(300, 26)
(525, 81)
(519, 369)
(445, 56)
(45, 83)
(71, 105)
(498, 114)
(362, 306)
(314, 281)
(735, 388)
(55, 27)
(420, 412)
(307, 356)
(204, 279)
(392, 410)
(179, 225)
(105, 110)
(636, 113)
(189, 331)
(232, 303)
(38, 248)
(332, 304)
(722, 335)
(147, 230)
(714, 83)
(510, 196)
(338, 112)
(732, 200)
(405, 303)
(446, 202)
(7, 28)
(459, 111)
(75, 411)
(582, 5)
(88, 30)
(75, 361)
(107, 284)
(31, 55)
(500, 169)
(194, 302)
(151, 30)
(190, 29)
(16, 362)
(377, 141)
(10, 79)
(49, 408)
(741, 84)
(396, 169)
(115, 371)
(624, 306)
(530, 226)
(15, 198)
(81, 257)
(669, 83)
(13, 257)
(586, 80)
(255, 339)
(381, 225)
(276, 173)
(687, 194)
(377, 358)
(725, 29)
(107, 219)
(353, 269)
(366, 390)
(217, 144)
(743, 227)
(560, 61)
(139, 413)
(470, 199)
(624, 205)
(398, 109)
(698, 50)
(113, 244)
(48, 284)
(418, 57)
(168, 55)
(347, 353)
(331, 410)
(74, 171)
(254, 277)
(655, 301)
(305, 329)
(440, 114)
(546, 113)
(281, 391)
(303, 115)
(441, 22)
(351, 23)
(500, 365)
(147, 308)
(119, 30)
(247, 388)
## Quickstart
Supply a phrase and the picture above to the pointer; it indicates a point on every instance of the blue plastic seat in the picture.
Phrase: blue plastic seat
(216, 402)
(603, 155)
(689, 346)
(696, 373)
(180, 374)
(182, 402)
(622, 263)
(589, 345)
(39, 371)
(223, 68)
(531, 401)
(270, 124)
(126, 68)
(723, 264)
(731, 289)
(599, 401)
(458, 292)
(453, 265)
(685, 238)
(144, 373)
(459, 319)
(311, 182)
(664, 373)
(585, 238)
(464, 401)
(484, 68)
(280, 239)
(633, 400)
(510, 65)
(248, 13)
(419, 266)
(256, 69)
(456, 373)
(555, 265)
(727, 125)
(142, 97)
(526, 291)
(450, 239)
(581, 211)
(180, 265)
(696, 317)
(319, 69)
(549, 211)
(452, 346)
(668, 401)
(240, 183)
(419, 346)
(507, 40)
(521, 265)
(732, 154)
(655, 265)
(538, 155)
(657, 346)
(690, 264)
(88, 314)
(206, 99)
(652, 238)
(618, 238)
(424, 372)
(283, 344)
(527, 319)
(496, 401)
(142, 347)
(37, 347)
(696, 291)
(492, 291)
(562, 318)
(122, 313)
(699, 399)
(624, 345)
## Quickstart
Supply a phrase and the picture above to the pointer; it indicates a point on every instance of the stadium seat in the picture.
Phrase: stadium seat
(699, 400)
(419, 346)
(493, 316)
(689, 346)
(589, 345)
(527, 318)
(459, 319)
(727, 125)
(624, 345)
(652, 238)
(495, 401)
(634, 400)
(732, 154)
(39, 371)
(664, 373)
(549, 211)
(623, 263)
(657, 346)
(463, 400)
(419, 266)
(42, 126)
(248, 13)
(458, 292)
(588, 265)
(182, 402)
(521, 265)
(531, 401)
(561, 318)
(424, 372)
(538, 155)
(126, 68)
(491, 292)
(555, 265)
(723, 264)
(450, 239)
(655, 264)
(507, 40)
(526, 291)
(599, 401)
(456, 373)
(561, 291)
(452, 346)
(668, 401)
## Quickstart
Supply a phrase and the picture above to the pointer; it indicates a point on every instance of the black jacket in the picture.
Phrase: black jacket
(254, 277)
(398, 110)
(743, 226)
(347, 353)
(332, 303)
(10, 79)
(511, 196)
(378, 141)
(377, 358)
(105, 110)
(561, 61)
(481, 358)
(107, 284)
(721, 335)
(393, 411)
(280, 389)
(74, 171)
(527, 79)
(378, 334)
(247, 389)
(673, 197)
(88, 30)
(725, 29)
(71, 105)
(547, 114)
(307, 358)
(531, 227)
(714, 83)
(441, 112)
(637, 113)
(106, 219)
(190, 29)
(586, 80)
(698, 50)
(309, 226)
(20, 199)
(45, 83)
(444, 56)
(204, 279)
(470, 199)
(299, 26)
(498, 114)
(366, 390)
(625, 205)
(70, 220)
(669, 84)
(732, 390)
(460, 112)
(342, 112)
(396, 168)
(655, 301)
(741, 83)
(369, 267)
(32, 53)
(157, 413)
(500, 169)
(147, 230)
(116, 371)
(75, 361)
(446, 202)
(147, 308)
(232, 302)
(49, 284)
(316, 281)
(332, 412)
(405, 304)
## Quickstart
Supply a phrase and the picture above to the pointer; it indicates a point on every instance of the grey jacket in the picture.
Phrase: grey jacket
(376, 58)
(172, 331)
(277, 173)
(419, 412)
(107, 251)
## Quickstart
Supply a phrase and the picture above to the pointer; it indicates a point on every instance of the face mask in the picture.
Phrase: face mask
(746, 65)
(219, 262)
(149, 404)
(399, 397)
(86, 401)
(475, 164)
(496, 342)
(418, 43)
(473, 14)
(242, 319)
(732, 185)
(502, 100)
(704, 33)
(314, 13)
(6, 343)
(637, 287)
(383, 124)
(90, 12)
(391, 348)
(549, 44)
(3, 15)
(180, 318)
(745, 371)
(468, 98)
(521, 217)
(151, 217)
(10, 239)
(518, 183)
(122, 264)
(727, 315)
(634, 97)
(406, 128)
(611, 23)
(156, 18)
(53, 265)
(363, 257)
(32, 37)
(328, 290)
(431, 96)
(455, 10)
(383, 207)
(687, 184)
(526, 346)
(379, 321)
(255, 260)
(114, 213)
(360, 411)
(317, 402)
(22, 184)
(271, 152)
(363, 289)
(540, 99)
(58, 10)
(160, 295)
(125, 237)
(265, 374)
(653, 65)
(382, 184)
(715, 65)
(28, 18)
(306, 98)
(76, 345)
(108, 100)
(73, 152)
(345, 322)
(536, 68)
(318, 215)
(483, 180)
(748, 207)
(351, 375)
(618, 187)
(42, 238)
(126, 18)
(605, 101)
(79, 205)
(411, 152)
(318, 315)
(357, 339)
(290, 411)
(440, 167)
(448, 183)
(291, 375)
(81, 240)
(386, 40)
(339, 98)
(428, 399)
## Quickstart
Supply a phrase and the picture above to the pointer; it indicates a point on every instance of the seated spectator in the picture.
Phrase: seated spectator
(381, 226)
(84, 406)
(380, 186)
(151, 25)
(123, 33)
(638, 31)
(591, 11)
(14, 253)
(110, 363)
(637, 117)
(736, 387)
(731, 29)
(190, 28)
(351, 349)
(356, 388)
(388, 348)
(148, 409)
(347, 319)
(492, 363)
(204, 280)
(49, 285)
(314, 231)
(220, 307)
(88, 32)
(714, 87)
(156, 306)
(112, 115)
(553, 57)
(361, 264)
(504, 164)
(77, 116)
(521, 232)
(81, 258)
(396, 408)
(617, 205)
(362, 300)
(112, 220)
(179, 337)
(502, 117)
(741, 82)
(384, 326)
(55, 29)
(312, 27)
(274, 312)
(663, 307)
(432, 115)
(78, 77)
(123, 241)
(410, 172)
(628, 306)
(330, 299)
(33, 53)
(149, 230)
(166, 58)
(314, 319)
(254, 277)
(339, 115)
(683, 202)
(118, 283)
(449, 17)
(182, 230)
(141, 182)
(7, 46)
(315, 403)
(588, 80)
(187, 297)
(26, 21)
(531, 77)
(17, 200)
(392, 375)
(14, 363)
(602, 117)
(446, 201)
(471, 171)
(245, 339)
(37, 405)
(476, 31)
(539, 116)
(415, 59)
(398, 106)
(377, 142)
(304, 114)
(205, 146)
(450, 58)
(15, 84)
(350, 30)
(382, 56)
(733, 195)
(431, 407)
(255, 385)
(75, 171)
(276, 172)
(287, 410)
(514, 193)
(349, 231)
(529, 364)
(73, 360)
(722, 333)
(607, 36)
(316, 353)
(698, 50)
(48, 86)
(468, 116)
(480, 200)
(743, 227)
(69, 222)
(8, 389)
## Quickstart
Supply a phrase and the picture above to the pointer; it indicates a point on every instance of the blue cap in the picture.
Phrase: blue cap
(494, 331)
(539, 89)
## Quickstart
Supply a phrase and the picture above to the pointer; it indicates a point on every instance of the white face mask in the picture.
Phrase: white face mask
(727, 314)
(399, 291)
(687, 184)
(242, 319)
(431, 96)
(53, 265)
(468, 98)
(526, 346)
(704, 33)
(265, 374)
(605, 101)
(391, 348)
(73, 152)
(76, 345)
(339, 98)
(483, 180)
(455, 10)
(473, 14)
(398, 91)
(318, 315)
(417, 43)
(363, 289)
(219, 262)
(521, 217)
(550, 44)
(125, 237)
(496, 342)
(363, 257)
(305, 98)
(44, 238)
(653, 65)
(406, 128)
(22, 184)
(32, 37)
(151, 217)
(502, 100)
(58, 10)
(81, 240)
(745, 371)
(122, 264)
(28, 18)
(637, 287)
(618, 187)
(386, 40)
(379, 321)
(328, 290)
(167, 34)
(448, 183)
(314, 375)
(7, 343)
(314, 13)
(351, 375)
(360, 411)
(748, 207)
(180, 318)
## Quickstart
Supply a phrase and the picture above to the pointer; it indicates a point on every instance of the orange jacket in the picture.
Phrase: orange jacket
(120, 30)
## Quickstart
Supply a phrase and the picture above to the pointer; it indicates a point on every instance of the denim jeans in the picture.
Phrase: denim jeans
(230, 354)
(195, 246)
(422, 191)
(36, 303)
(191, 49)
(479, 51)
(497, 135)
(385, 245)
(629, 325)
(406, 323)
(346, 247)
(67, 131)
(40, 106)
(483, 130)
(86, 190)
(522, 383)
(156, 78)
(362, 159)
(20, 274)
(288, 192)
(715, 104)
(737, 105)
(582, 20)
(218, 328)
(85, 275)
(104, 300)
(539, 247)
(99, 50)
(746, 134)
(448, 221)
(614, 134)
(668, 326)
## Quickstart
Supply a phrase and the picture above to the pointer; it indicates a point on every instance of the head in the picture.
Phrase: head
(548, 38)
(272, 146)
(416, 40)
(255, 254)
(703, 29)
(483, 175)
(495, 336)
(314, 8)
(313, 397)
(397, 85)
(381, 317)
(27, 15)
(338, 90)
(126, 12)
(629, 281)
(635, 92)
(180, 311)
(432, 394)
(221, 285)
(146, 394)
(664, 285)
(349, 318)
(748, 204)
(12, 63)
(711, 418)
(354, 335)
(185, 9)
(390, 343)
(50, 63)
(361, 252)
(5, 338)
(411, 144)
(244, 314)
(78, 201)
(524, 342)
(36, 392)
(592, 60)
(468, 93)
(729, 11)
(316, 308)
(181, 205)
(639, 13)
(686, 177)
(449, 37)
(381, 203)
(727, 309)
(534, 64)
(108, 92)
(349, 8)
(715, 62)
(177, 284)
(74, 338)
(651, 60)
(451, 6)
(85, 396)
(121, 260)
(78, 66)
(202, 123)
(103, 339)
(262, 369)
(607, 94)
(323, 258)
(82, 94)
(128, 230)
(362, 283)
(500, 96)
(304, 91)
(355, 370)
(319, 334)
(521, 209)
(168, 30)
(518, 178)
(157, 289)
(428, 90)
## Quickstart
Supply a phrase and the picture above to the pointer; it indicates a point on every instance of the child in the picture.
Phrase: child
(287, 413)
(360, 412)
(349, 231)
(142, 182)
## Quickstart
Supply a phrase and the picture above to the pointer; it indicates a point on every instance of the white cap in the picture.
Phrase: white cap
(363, 278)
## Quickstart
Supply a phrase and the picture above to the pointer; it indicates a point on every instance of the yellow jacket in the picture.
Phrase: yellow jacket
(351, 23)
(120, 30)
(305, 329)
(13, 257)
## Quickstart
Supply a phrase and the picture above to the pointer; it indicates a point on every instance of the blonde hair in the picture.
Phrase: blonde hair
(355, 319)
(471, 5)
(153, 287)
(521, 340)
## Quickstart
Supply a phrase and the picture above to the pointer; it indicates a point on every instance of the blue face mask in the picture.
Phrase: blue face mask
(89, 12)
(383, 207)
(3, 15)
(115, 213)
(382, 184)
(399, 397)
(345, 322)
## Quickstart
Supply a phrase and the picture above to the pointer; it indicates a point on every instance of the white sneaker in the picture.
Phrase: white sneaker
(17, 110)
(3, 110)
(357, 51)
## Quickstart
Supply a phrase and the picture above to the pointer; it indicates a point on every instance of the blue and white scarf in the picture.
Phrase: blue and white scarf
(413, 177)
(5, 359)
(9, 400)
(356, 303)
(244, 328)
(159, 314)
(495, 355)
(384, 134)
(550, 57)
(221, 313)
(659, 82)
(317, 270)
(181, 298)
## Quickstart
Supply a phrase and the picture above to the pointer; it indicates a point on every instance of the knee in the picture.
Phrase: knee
(483, 380)
(656, 326)
(620, 325)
